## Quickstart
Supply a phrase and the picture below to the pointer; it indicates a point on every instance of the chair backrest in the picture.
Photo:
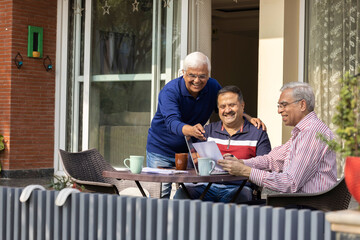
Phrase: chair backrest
(86, 166)
(338, 197)
(335, 198)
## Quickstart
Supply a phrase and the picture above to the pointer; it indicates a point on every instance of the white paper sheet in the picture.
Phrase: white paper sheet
(162, 171)
(209, 149)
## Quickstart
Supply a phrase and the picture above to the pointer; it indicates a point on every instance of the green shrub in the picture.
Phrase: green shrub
(60, 182)
(347, 118)
(2, 146)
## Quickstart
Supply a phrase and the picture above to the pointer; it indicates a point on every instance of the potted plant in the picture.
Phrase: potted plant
(61, 182)
(347, 120)
(2, 146)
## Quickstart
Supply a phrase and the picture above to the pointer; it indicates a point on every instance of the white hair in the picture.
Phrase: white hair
(196, 60)
(301, 90)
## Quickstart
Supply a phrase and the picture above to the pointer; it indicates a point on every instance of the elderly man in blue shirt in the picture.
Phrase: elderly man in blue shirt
(185, 105)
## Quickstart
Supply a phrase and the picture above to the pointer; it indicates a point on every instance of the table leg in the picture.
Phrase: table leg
(185, 190)
(205, 191)
(140, 188)
(238, 191)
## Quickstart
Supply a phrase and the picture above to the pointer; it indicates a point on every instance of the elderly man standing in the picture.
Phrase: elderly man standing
(185, 105)
(304, 164)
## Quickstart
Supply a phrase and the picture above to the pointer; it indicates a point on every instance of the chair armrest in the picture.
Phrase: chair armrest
(90, 186)
(100, 184)
(290, 199)
(307, 200)
(335, 198)
(291, 195)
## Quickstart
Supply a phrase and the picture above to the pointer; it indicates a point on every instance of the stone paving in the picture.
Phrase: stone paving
(23, 182)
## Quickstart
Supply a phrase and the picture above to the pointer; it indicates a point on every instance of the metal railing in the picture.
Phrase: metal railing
(103, 216)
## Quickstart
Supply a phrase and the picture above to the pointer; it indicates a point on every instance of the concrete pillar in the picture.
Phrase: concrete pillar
(278, 61)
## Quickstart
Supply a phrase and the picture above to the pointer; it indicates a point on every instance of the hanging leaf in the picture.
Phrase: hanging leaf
(2, 146)
(347, 118)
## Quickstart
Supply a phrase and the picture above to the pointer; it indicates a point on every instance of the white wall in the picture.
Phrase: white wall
(278, 61)
(271, 47)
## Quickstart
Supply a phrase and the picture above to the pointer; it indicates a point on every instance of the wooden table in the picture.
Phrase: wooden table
(180, 178)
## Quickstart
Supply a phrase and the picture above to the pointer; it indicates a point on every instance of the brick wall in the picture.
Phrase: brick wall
(27, 95)
(5, 75)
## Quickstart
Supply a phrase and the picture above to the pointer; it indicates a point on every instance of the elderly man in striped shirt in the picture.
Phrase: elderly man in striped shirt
(304, 164)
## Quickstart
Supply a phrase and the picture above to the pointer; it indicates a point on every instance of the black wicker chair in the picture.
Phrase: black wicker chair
(85, 168)
(336, 198)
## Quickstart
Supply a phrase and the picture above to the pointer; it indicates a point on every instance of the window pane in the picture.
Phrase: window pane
(333, 46)
(332, 49)
(122, 39)
(120, 119)
(120, 73)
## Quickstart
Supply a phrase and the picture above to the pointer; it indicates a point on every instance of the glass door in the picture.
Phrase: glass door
(122, 52)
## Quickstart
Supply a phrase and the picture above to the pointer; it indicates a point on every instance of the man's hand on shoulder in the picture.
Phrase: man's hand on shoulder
(196, 131)
(256, 122)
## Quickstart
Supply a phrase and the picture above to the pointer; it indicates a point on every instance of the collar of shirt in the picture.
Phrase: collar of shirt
(303, 123)
(244, 129)
(186, 93)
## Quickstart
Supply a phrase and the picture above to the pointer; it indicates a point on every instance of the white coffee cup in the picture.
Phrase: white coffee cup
(136, 163)
(205, 165)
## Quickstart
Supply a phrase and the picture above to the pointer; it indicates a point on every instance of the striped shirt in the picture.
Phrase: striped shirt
(304, 164)
(248, 142)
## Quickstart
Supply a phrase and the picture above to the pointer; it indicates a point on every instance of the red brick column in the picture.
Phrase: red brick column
(27, 95)
(5, 76)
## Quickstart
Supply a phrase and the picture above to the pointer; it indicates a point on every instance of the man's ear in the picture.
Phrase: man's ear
(242, 104)
(303, 105)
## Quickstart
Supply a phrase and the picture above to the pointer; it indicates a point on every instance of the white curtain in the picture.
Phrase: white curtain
(332, 49)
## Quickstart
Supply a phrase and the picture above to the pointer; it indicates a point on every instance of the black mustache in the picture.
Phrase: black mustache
(232, 112)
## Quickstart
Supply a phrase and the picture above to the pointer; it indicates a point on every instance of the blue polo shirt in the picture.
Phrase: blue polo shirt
(177, 108)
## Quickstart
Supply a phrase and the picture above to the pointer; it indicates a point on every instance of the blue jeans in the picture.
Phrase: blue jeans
(216, 193)
(155, 160)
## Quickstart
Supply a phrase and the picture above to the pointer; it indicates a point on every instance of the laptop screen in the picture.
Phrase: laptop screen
(192, 152)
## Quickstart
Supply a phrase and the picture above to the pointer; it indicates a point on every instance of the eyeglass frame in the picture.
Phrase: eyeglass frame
(283, 105)
(201, 77)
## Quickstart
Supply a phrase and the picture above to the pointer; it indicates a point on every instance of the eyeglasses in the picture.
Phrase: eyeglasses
(193, 76)
(283, 105)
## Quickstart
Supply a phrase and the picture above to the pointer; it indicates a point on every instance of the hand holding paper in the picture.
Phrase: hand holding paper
(209, 149)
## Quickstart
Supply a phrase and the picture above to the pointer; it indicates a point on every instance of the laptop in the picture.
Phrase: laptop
(194, 154)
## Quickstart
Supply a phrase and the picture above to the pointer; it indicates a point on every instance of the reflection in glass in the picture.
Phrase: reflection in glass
(121, 49)
(120, 118)
(122, 39)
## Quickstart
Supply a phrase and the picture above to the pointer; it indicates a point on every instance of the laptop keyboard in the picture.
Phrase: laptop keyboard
(218, 171)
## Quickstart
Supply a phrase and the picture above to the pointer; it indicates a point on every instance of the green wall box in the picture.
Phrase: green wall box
(35, 42)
